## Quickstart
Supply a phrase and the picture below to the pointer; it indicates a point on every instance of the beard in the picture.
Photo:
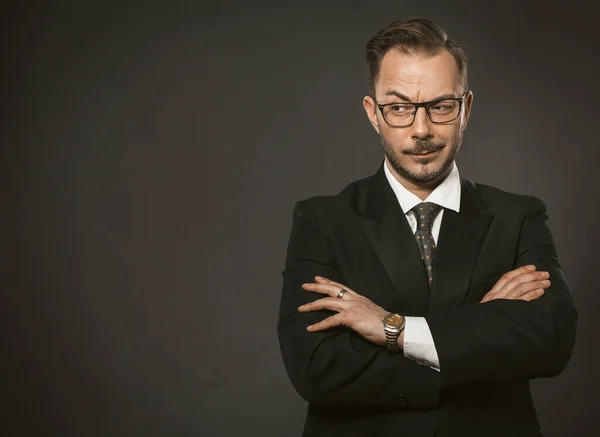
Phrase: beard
(421, 146)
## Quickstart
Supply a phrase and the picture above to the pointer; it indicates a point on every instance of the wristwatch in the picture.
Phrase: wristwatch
(393, 324)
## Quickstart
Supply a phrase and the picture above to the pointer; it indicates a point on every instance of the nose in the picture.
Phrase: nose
(421, 127)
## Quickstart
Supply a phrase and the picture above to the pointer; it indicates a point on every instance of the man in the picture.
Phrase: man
(416, 302)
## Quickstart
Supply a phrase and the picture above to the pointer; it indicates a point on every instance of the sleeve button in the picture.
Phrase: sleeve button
(402, 400)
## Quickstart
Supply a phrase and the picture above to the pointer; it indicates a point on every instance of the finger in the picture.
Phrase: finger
(329, 303)
(328, 289)
(531, 276)
(489, 296)
(509, 275)
(321, 279)
(324, 279)
(524, 288)
(534, 294)
(331, 290)
(525, 291)
(329, 322)
(520, 279)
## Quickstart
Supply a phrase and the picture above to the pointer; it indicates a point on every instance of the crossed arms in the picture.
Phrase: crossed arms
(341, 359)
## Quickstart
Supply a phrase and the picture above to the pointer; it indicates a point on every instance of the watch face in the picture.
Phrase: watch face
(395, 320)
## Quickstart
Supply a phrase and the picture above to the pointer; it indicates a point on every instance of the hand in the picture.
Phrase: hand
(523, 283)
(354, 311)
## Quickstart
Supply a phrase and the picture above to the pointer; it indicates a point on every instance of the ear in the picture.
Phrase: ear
(371, 110)
(468, 102)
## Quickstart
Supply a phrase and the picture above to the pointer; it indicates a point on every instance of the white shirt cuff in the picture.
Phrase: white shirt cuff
(418, 343)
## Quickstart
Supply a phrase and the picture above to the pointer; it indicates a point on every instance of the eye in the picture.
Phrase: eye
(398, 107)
(443, 107)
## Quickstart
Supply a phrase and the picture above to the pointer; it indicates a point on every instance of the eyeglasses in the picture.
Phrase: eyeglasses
(438, 111)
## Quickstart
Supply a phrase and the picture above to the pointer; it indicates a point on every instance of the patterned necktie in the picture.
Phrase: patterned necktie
(425, 213)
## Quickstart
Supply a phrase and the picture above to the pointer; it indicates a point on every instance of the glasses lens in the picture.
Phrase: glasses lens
(444, 110)
(399, 114)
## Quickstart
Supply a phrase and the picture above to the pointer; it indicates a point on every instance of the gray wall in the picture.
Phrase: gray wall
(151, 156)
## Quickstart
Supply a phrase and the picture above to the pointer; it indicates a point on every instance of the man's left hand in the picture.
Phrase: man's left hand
(354, 311)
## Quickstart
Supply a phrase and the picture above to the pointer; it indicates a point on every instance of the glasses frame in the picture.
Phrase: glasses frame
(423, 105)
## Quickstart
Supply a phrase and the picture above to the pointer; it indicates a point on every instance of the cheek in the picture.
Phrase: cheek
(395, 137)
(448, 134)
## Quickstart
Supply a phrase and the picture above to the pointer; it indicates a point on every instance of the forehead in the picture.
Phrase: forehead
(419, 75)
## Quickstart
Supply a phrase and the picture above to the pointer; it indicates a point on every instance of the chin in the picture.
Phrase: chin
(425, 176)
(424, 172)
(425, 165)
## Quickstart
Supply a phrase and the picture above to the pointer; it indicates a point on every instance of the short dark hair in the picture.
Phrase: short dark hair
(410, 36)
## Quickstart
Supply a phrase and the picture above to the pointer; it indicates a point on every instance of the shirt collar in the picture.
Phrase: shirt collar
(446, 194)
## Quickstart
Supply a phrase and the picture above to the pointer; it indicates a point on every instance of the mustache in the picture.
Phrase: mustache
(423, 147)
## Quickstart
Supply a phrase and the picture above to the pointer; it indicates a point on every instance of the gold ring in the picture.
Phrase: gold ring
(341, 293)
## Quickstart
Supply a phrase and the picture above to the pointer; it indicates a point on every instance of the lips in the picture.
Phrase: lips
(427, 152)
(424, 154)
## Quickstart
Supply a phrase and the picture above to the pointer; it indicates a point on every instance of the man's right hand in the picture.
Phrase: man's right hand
(524, 283)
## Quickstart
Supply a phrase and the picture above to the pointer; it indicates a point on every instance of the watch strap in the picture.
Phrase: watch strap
(391, 334)
(391, 340)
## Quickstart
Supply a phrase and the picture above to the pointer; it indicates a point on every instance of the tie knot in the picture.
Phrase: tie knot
(425, 213)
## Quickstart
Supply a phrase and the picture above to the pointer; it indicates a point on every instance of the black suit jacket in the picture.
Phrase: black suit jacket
(487, 352)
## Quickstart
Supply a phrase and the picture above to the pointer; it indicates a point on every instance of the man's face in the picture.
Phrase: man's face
(422, 153)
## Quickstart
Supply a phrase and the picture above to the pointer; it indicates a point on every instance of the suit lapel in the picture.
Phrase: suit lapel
(389, 233)
(459, 243)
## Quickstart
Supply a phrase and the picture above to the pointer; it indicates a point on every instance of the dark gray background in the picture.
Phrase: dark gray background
(151, 156)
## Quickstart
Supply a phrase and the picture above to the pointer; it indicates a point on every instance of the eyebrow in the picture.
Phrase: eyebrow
(407, 99)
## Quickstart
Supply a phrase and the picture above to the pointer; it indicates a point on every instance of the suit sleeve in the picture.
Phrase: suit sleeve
(338, 366)
(508, 340)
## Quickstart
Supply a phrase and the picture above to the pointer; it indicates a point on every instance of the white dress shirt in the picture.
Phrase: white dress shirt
(418, 342)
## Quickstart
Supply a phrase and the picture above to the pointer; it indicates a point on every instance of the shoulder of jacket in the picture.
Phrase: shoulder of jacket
(499, 199)
(333, 204)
